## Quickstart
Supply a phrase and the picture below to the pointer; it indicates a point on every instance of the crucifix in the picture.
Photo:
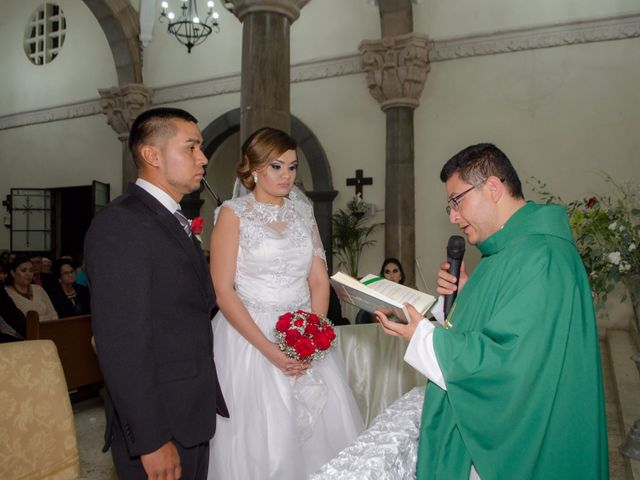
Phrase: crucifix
(359, 181)
(27, 211)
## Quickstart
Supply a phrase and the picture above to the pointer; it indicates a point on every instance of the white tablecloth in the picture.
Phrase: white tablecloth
(387, 450)
(376, 371)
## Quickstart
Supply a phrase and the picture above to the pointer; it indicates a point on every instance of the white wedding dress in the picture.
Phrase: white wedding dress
(279, 428)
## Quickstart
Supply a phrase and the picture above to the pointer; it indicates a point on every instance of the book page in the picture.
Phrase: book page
(399, 293)
(380, 294)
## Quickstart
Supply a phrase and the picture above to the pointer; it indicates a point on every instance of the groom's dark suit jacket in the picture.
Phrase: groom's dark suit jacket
(151, 301)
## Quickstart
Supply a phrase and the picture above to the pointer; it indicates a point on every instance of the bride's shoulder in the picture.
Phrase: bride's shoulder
(239, 204)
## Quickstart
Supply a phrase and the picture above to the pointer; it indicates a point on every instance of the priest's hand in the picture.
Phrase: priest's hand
(163, 464)
(400, 329)
(447, 282)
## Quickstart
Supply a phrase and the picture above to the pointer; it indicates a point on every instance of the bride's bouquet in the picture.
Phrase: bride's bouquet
(304, 336)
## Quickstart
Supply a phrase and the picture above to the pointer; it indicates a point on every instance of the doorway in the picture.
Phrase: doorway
(54, 221)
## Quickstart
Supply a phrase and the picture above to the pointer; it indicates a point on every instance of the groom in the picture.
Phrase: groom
(151, 301)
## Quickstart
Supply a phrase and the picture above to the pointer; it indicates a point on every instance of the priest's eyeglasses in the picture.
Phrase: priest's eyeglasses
(454, 202)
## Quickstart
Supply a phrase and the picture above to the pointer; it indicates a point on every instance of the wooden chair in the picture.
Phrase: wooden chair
(72, 336)
(38, 438)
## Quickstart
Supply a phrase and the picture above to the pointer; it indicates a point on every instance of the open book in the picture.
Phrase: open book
(377, 293)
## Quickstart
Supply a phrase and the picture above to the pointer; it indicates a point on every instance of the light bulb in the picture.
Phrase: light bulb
(170, 16)
(196, 20)
(165, 5)
(215, 15)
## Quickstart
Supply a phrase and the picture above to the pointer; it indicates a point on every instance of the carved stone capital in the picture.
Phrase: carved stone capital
(396, 69)
(288, 8)
(122, 105)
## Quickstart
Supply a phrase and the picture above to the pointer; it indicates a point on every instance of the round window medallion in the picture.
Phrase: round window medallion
(44, 34)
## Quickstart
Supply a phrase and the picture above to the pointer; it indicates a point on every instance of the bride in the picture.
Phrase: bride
(286, 418)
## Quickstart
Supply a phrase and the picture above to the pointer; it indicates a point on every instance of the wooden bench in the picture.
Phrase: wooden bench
(72, 336)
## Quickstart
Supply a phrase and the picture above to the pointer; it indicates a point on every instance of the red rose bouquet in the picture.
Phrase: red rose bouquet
(304, 336)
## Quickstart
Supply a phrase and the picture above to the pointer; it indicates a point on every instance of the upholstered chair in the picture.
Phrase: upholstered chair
(37, 431)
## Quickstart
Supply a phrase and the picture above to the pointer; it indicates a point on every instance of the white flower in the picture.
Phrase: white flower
(614, 257)
(632, 247)
(613, 226)
(624, 266)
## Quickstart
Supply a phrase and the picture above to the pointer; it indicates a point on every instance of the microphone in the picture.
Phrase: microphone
(210, 190)
(455, 252)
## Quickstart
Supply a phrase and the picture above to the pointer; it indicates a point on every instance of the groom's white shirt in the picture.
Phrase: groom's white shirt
(159, 194)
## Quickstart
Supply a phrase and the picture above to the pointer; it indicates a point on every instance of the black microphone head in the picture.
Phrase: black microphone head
(455, 247)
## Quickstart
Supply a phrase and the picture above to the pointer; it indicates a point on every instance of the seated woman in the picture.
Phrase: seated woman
(391, 270)
(69, 298)
(13, 326)
(26, 295)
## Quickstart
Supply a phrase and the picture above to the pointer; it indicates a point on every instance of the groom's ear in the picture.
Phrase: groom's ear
(150, 155)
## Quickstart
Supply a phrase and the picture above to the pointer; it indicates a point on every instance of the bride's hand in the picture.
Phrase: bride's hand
(287, 365)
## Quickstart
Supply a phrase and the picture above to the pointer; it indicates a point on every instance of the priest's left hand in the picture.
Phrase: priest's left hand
(400, 329)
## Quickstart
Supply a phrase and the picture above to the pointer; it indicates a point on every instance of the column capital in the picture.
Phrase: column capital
(397, 69)
(288, 8)
(123, 104)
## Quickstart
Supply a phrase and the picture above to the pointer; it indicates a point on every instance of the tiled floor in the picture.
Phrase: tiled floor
(89, 417)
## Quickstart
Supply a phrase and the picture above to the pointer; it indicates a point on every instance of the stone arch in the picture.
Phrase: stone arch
(121, 25)
(322, 194)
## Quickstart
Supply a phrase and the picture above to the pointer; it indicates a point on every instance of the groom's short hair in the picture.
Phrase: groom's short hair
(152, 124)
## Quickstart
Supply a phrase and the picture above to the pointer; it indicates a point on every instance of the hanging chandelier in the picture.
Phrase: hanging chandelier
(188, 28)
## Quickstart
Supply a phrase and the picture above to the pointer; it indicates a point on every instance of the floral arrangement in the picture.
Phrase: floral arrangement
(607, 235)
(351, 234)
(304, 336)
(196, 225)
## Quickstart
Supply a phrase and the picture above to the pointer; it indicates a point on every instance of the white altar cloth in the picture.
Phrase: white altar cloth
(387, 450)
(376, 371)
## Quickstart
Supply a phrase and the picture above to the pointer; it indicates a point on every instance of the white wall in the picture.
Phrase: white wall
(84, 64)
(452, 18)
(560, 114)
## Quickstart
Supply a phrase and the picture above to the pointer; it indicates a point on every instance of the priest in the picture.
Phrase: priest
(515, 383)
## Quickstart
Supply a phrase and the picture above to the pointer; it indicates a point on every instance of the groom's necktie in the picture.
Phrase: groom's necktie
(183, 221)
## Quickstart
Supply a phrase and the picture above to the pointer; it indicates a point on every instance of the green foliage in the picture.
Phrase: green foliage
(607, 234)
(351, 233)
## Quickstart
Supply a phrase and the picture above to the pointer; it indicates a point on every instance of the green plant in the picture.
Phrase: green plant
(607, 235)
(351, 233)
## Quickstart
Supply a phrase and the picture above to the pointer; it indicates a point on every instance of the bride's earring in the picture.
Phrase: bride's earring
(255, 178)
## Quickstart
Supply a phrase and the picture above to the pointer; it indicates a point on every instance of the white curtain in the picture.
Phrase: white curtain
(376, 371)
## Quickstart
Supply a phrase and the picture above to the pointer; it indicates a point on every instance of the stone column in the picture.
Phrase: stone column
(265, 77)
(397, 70)
(122, 105)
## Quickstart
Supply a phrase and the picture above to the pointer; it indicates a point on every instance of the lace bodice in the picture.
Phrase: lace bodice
(276, 248)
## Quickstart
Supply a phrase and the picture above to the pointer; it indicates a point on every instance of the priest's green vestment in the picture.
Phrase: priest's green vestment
(521, 363)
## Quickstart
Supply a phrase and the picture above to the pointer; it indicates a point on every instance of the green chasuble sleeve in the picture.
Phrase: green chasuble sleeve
(521, 364)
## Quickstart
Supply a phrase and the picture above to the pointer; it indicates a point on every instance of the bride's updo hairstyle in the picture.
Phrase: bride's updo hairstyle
(261, 148)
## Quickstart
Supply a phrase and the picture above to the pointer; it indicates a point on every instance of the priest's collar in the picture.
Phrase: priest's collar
(509, 231)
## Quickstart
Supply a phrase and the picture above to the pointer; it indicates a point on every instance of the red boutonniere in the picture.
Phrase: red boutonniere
(196, 225)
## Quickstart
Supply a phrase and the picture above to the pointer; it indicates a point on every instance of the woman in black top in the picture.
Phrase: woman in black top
(69, 298)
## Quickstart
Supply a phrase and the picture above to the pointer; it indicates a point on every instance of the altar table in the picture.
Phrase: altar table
(387, 450)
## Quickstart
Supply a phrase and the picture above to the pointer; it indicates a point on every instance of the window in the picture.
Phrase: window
(44, 34)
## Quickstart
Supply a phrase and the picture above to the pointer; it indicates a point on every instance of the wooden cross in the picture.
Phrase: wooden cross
(359, 181)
